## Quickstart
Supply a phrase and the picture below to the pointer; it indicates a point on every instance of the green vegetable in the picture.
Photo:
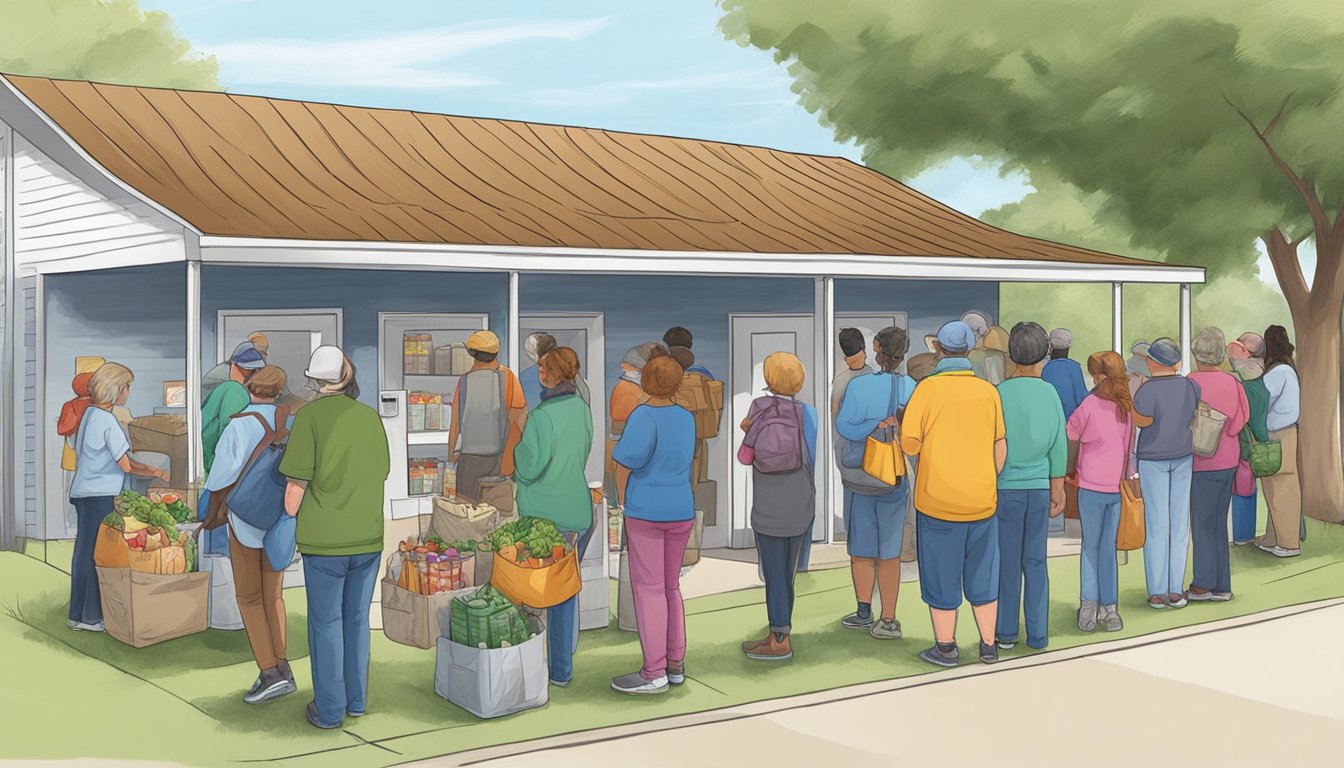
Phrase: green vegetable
(539, 536)
(115, 520)
(189, 549)
(438, 542)
(465, 545)
(180, 512)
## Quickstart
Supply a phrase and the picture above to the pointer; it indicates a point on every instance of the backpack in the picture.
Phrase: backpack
(776, 438)
(484, 417)
(257, 497)
(697, 395)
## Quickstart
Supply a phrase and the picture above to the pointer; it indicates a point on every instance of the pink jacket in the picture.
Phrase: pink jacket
(1224, 393)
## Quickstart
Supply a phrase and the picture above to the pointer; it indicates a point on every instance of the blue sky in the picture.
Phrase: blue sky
(652, 66)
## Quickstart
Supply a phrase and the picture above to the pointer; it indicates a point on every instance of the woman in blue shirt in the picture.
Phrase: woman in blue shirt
(784, 499)
(654, 474)
(103, 462)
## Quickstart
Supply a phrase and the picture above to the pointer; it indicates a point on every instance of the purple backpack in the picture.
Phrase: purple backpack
(775, 438)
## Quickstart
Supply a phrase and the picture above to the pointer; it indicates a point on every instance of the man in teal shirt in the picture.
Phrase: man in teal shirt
(1031, 487)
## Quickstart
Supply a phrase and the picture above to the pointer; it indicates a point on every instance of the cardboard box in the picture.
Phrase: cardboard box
(166, 434)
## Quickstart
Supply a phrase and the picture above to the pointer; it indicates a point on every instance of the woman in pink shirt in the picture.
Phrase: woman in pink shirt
(1211, 485)
(1101, 437)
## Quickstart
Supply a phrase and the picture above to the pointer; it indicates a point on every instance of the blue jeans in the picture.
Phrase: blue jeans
(340, 589)
(562, 630)
(957, 559)
(1211, 494)
(86, 601)
(1023, 528)
(214, 542)
(779, 560)
(1099, 568)
(1243, 515)
(1166, 518)
(805, 555)
(875, 525)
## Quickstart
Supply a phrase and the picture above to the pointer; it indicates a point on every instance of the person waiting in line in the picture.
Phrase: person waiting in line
(920, 367)
(72, 412)
(954, 424)
(337, 463)
(1101, 442)
(537, 345)
(677, 336)
(255, 342)
(626, 396)
(655, 456)
(875, 511)
(549, 469)
(258, 584)
(102, 462)
(780, 446)
(1031, 487)
(855, 364)
(1063, 372)
(1247, 356)
(489, 413)
(1166, 460)
(1137, 366)
(226, 399)
(1211, 482)
(1283, 490)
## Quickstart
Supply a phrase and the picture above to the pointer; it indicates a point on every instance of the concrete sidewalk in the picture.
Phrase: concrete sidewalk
(1202, 696)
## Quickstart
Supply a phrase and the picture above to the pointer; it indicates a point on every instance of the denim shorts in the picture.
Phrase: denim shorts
(957, 559)
(875, 525)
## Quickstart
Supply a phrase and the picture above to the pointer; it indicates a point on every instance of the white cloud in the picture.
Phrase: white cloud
(403, 60)
(211, 6)
(618, 91)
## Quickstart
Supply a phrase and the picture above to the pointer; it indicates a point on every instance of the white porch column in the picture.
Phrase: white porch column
(823, 323)
(515, 354)
(1186, 333)
(12, 520)
(1118, 318)
(195, 454)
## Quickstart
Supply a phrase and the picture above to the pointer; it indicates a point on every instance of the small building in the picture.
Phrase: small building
(158, 228)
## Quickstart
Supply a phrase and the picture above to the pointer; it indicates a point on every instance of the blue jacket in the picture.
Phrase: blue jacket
(1067, 378)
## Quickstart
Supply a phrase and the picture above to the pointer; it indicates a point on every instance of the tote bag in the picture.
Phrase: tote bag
(1131, 533)
(882, 457)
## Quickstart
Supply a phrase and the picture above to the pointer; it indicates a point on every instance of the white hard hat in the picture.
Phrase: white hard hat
(326, 364)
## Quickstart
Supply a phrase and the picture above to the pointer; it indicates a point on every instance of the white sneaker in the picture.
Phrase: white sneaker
(1278, 551)
(886, 630)
(636, 684)
(80, 626)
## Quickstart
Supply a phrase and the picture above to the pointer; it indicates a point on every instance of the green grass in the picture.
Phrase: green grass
(73, 694)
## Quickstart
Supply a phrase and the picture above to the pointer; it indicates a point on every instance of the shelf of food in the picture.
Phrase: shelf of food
(431, 437)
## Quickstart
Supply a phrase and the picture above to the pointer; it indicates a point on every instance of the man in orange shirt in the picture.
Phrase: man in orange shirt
(489, 412)
(954, 424)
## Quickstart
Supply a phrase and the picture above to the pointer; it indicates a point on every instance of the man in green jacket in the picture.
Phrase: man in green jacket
(549, 467)
(1247, 355)
(226, 399)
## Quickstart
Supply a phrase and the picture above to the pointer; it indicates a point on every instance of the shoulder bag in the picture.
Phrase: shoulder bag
(1131, 532)
(882, 457)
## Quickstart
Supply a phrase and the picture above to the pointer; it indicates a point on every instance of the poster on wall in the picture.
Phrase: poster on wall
(175, 394)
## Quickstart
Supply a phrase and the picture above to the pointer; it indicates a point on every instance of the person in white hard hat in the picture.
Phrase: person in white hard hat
(337, 461)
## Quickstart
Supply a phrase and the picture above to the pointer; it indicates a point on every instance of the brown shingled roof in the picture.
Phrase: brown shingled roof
(256, 167)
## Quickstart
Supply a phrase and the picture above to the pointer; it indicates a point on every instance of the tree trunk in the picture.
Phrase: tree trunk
(1320, 466)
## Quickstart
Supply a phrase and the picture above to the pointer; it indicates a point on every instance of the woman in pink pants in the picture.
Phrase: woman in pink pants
(654, 459)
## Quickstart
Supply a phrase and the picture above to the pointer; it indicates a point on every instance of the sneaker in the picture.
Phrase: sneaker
(1197, 595)
(355, 715)
(255, 687)
(1177, 600)
(1157, 601)
(1110, 620)
(271, 685)
(635, 683)
(935, 656)
(1278, 551)
(1087, 616)
(771, 649)
(560, 684)
(1221, 597)
(886, 630)
(311, 714)
(676, 674)
(989, 653)
(855, 621)
(1243, 542)
(80, 626)
(1006, 645)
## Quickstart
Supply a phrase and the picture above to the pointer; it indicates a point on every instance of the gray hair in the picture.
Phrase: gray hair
(538, 344)
(1028, 344)
(1209, 347)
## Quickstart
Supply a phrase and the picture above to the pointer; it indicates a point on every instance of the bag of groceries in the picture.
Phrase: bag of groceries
(534, 565)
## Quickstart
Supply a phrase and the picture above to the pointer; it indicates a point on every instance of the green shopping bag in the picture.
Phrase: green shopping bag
(1266, 458)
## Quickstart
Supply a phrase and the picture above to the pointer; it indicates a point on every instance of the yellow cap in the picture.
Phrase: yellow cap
(483, 341)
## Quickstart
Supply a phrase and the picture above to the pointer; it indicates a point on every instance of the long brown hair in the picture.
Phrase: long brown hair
(1278, 349)
(1113, 385)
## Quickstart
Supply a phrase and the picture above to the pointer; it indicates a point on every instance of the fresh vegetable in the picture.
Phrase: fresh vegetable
(193, 556)
(465, 545)
(114, 520)
(526, 535)
(438, 543)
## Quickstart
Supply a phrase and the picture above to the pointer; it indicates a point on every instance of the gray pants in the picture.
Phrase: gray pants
(470, 470)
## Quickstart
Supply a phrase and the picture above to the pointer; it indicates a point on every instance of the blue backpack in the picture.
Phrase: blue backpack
(258, 496)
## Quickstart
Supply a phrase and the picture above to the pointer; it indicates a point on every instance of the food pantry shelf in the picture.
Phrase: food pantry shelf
(433, 437)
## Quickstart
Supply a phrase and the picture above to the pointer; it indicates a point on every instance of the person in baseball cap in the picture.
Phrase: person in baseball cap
(1137, 366)
(484, 343)
(489, 429)
(1066, 375)
(1165, 352)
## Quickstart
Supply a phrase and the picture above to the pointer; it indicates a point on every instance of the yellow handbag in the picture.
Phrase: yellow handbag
(882, 457)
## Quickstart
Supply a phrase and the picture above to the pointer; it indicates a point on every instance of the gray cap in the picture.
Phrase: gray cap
(1138, 365)
(1140, 348)
(1061, 338)
(1165, 352)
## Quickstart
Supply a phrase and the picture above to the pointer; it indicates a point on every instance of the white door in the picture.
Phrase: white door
(754, 337)
(584, 333)
(868, 324)
(292, 337)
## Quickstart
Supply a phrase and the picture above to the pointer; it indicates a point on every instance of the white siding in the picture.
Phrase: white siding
(60, 217)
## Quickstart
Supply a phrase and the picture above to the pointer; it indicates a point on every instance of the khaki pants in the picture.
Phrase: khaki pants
(260, 601)
(1283, 496)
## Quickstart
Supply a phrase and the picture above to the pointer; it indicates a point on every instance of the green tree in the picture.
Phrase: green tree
(110, 41)
(1200, 127)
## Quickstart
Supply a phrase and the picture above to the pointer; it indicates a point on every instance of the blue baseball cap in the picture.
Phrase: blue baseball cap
(956, 337)
(1165, 352)
(248, 357)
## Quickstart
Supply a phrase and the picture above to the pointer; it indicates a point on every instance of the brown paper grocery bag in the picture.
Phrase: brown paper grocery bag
(141, 609)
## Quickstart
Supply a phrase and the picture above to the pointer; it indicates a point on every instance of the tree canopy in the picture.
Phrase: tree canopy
(1139, 105)
(110, 41)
